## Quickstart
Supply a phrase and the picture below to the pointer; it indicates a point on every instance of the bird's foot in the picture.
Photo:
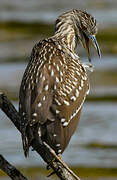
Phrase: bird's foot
(49, 164)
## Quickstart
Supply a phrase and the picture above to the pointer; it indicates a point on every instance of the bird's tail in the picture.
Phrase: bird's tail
(26, 140)
(25, 144)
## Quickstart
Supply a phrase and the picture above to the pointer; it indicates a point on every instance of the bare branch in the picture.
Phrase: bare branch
(58, 166)
(10, 170)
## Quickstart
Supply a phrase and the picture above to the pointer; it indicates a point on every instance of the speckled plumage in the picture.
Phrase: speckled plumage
(55, 84)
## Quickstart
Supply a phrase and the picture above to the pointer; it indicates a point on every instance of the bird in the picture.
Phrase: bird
(55, 83)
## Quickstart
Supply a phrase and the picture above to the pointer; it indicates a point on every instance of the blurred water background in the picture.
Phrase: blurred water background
(94, 145)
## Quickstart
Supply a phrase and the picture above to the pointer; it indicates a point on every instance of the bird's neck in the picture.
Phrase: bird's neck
(65, 34)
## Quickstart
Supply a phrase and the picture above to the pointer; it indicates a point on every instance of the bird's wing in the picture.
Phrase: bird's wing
(42, 98)
(37, 87)
(71, 90)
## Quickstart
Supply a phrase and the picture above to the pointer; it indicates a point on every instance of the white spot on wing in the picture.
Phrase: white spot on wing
(85, 78)
(57, 145)
(77, 93)
(55, 87)
(39, 104)
(59, 151)
(80, 88)
(49, 67)
(46, 87)
(57, 111)
(37, 80)
(33, 120)
(62, 120)
(77, 110)
(88, 91)
(65, 124)
(82, 83)
(58, 103)
(52, 72)
(35, 114)
(29, 86)
(73, 98)
(57, 79)
(61, 63)
(61, 73)
(39, 132)
(41, 75)
(78, 73)
(54, 135)
(57, 67)
(43, 78)
(44, 98)
(66, 102)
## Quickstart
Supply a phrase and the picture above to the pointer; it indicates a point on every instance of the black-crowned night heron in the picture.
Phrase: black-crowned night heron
(55, 83)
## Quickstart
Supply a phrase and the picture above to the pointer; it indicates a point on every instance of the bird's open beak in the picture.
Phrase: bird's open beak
(95, 44)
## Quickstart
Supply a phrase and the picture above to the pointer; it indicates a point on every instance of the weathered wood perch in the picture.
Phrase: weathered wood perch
(10, 170)
(47, 154)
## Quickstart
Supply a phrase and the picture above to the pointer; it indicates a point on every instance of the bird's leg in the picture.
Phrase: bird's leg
(40, 147)
(59, 159)
(48, 166)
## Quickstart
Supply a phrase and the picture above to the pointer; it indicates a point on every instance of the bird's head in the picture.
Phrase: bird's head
(86, 30)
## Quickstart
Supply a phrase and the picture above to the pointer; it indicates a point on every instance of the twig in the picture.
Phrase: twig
(10, 170)
(60, 168)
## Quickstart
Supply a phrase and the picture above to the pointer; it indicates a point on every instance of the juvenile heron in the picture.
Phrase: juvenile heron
(55, 82)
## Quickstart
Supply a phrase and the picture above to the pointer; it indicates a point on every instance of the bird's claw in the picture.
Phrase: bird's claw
(49, 164)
